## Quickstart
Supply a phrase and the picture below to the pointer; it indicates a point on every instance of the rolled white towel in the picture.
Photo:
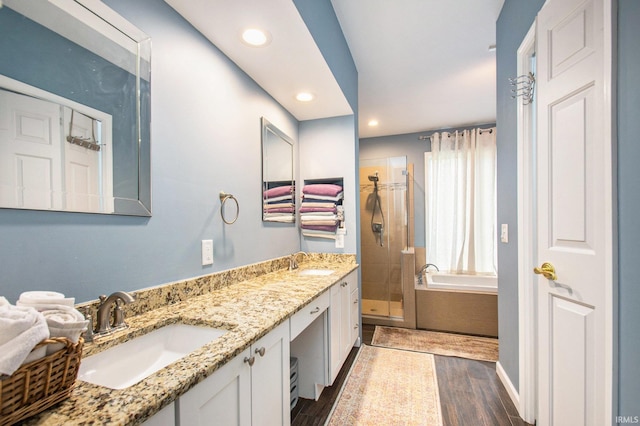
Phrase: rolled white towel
(21, 329)
(44, 300)
(64, 322)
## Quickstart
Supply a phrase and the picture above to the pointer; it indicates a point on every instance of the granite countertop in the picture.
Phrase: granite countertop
(249, 309)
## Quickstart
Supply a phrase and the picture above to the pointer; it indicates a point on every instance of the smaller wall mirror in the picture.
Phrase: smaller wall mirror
(278, 185)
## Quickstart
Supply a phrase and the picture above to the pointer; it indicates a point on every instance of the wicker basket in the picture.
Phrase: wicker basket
(40, 384)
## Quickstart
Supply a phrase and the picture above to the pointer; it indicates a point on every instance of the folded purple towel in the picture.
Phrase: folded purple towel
(328, 228)
(327, 189)
(318, 209)
(282, 210)
(278, 191)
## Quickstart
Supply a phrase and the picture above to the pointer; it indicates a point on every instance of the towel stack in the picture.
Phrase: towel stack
(278, 204)
(320, 215)
(37, 315)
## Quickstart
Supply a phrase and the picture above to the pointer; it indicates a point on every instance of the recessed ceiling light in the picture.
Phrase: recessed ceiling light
(373, 123)
(256, 37)
(305, 97)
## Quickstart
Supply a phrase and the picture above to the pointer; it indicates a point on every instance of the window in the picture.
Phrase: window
(460, 202)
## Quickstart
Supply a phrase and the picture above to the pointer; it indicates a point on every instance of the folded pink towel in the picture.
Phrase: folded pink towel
(318, 209)
(327, 189)
(278, 191)
(320, 227)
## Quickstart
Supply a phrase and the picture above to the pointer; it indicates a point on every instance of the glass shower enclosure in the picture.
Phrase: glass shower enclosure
(384, 234)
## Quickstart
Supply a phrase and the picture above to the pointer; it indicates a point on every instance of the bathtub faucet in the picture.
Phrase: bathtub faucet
(425, 267)
(423, 270)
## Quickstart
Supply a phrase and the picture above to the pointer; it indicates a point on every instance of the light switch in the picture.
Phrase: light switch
(504, 233)
(207, 252)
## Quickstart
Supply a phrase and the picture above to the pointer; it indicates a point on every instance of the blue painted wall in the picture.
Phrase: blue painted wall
(514, 22)
(329, 147)
(628, 207)
(205, 138)
(327, 151)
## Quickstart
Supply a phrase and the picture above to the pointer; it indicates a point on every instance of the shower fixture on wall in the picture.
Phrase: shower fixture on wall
(377, 227)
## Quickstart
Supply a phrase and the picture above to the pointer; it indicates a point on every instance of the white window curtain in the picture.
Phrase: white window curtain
(460, 194)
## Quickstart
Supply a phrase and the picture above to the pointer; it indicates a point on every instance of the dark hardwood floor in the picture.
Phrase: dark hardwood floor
(470, 394)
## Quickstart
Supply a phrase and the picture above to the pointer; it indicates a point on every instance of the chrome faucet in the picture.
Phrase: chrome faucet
(113, 303)
(293, 263)
(425, 267)
(423, 270)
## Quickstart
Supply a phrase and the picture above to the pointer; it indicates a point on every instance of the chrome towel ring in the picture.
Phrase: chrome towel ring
(223, 199)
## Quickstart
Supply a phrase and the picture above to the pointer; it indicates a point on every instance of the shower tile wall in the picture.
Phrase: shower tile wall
(381, 267)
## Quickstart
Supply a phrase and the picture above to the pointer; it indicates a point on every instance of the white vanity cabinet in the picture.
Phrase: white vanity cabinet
(164, 417)
(343, 319)
(251, 389)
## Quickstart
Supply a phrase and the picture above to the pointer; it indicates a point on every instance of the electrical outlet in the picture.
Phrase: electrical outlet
(207, 252)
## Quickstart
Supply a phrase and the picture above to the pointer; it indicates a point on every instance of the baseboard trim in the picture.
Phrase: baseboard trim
(511, 390)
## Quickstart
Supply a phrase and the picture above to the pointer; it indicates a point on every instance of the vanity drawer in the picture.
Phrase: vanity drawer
(301, 319)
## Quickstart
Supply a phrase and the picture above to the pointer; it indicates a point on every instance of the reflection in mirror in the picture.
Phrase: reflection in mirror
(74, 109)
(278, 185)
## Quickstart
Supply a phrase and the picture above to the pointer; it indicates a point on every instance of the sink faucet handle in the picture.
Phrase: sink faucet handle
(118, 315)
(88, 335)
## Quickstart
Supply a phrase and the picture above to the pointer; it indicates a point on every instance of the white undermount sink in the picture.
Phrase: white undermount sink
(130, 362)
(316, 272)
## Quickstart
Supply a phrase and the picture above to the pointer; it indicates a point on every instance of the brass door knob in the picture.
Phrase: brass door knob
(547, 270)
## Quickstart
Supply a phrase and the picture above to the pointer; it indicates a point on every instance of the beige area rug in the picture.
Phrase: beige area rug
(471, 347)
(389, 387)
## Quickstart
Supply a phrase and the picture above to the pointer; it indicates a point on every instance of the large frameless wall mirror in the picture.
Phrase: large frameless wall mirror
(74, 109)
(278, 185)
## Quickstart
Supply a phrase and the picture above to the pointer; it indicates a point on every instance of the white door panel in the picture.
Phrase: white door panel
(574, 218)
(82, 166)
(30, 155)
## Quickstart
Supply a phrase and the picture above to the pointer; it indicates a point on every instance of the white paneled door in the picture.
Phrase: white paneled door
(30, 172)
(574, 199)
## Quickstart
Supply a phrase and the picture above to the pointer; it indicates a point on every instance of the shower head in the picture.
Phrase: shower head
(373, 178)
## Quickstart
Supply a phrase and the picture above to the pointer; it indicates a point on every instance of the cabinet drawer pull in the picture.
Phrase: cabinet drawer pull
(315, 311)
(355, 327)
(343, 284)
(260, 351)
(250, 360)
(355, 301)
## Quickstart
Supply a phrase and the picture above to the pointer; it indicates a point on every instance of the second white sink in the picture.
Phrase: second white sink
(126, 364)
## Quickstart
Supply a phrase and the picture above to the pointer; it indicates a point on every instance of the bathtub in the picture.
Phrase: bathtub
(441, 281)
(453, 303)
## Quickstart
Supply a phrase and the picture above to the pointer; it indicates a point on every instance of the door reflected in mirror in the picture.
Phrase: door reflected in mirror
(74, 109)
(278, 185)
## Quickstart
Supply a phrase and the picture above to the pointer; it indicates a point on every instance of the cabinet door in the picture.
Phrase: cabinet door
(355, 316)
(223, 398)
(345, 321)
(270, 388)
(334, 333)
(164, 417)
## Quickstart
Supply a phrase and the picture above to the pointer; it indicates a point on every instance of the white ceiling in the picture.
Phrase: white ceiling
(289, 64)
(422, 64)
